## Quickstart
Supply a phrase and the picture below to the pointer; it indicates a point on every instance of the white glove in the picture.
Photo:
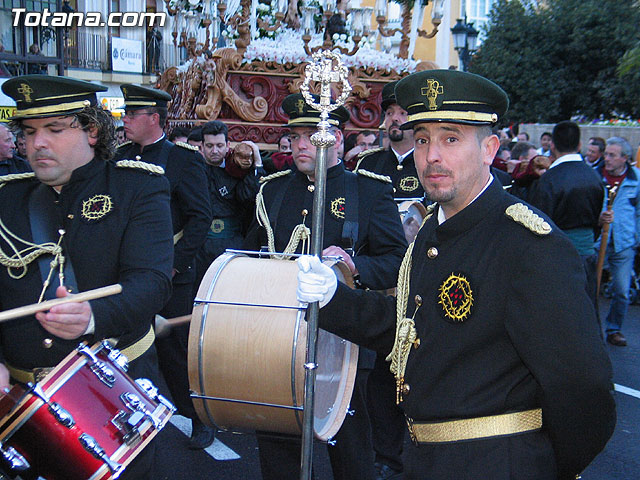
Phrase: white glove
(316, 281)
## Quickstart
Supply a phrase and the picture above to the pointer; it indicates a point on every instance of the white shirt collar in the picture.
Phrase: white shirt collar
(442, 218)
(572, 157)
(401, 157)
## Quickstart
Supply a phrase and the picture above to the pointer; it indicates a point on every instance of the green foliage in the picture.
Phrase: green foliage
(561, 60)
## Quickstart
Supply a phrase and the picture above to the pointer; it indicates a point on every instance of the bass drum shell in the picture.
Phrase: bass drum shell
(246, 353)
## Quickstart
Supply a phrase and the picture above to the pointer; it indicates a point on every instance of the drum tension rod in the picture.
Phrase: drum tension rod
(98, 367)
(63, 417)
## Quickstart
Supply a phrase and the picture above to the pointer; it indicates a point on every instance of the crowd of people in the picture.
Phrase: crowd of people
(481, 356)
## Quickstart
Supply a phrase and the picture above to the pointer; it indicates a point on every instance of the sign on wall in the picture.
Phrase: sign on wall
(126, 55)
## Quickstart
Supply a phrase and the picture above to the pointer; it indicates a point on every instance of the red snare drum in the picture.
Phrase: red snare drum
(85, 420)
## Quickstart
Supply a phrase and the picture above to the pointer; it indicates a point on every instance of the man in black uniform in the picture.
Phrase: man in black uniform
(111, 221)
(232, 197)
(571, 194)
(500, 367)
(363, 227)
(397, 161)
(145, 116)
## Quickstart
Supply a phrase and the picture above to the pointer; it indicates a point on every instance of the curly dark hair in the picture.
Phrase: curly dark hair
(87, 118)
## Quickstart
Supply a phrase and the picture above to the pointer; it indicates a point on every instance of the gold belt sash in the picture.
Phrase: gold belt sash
(475, 428)
(132, 352)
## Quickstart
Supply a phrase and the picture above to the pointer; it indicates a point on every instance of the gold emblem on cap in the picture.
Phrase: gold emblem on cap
(300, 106)
(456, 297)
(26, 90)
(96, 207)
(337, 207)
(409, 183)
(431, 91)
(124, 91)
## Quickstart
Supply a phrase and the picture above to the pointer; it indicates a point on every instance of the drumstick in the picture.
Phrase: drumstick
(77, 297)
(164, 325)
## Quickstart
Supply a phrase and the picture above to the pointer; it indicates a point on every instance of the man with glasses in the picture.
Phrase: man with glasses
(145, 117)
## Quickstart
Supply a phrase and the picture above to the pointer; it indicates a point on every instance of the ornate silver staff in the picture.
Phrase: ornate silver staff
(325, 68)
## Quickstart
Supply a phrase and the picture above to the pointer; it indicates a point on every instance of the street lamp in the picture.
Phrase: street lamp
(465, 38)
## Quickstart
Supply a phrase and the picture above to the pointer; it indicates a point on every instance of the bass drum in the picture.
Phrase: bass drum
(247, 349)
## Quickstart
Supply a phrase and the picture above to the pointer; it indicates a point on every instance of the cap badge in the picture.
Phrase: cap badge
(26, 90)
(300, 106)
(337, 208)
(431, 91)
(456, 298)
(124, 91)
(96, 207)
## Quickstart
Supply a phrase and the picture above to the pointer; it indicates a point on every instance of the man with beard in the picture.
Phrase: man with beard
(499, 364)
(397, 161)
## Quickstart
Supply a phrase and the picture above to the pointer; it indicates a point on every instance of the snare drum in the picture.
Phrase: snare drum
(247, 349)
(85, 420)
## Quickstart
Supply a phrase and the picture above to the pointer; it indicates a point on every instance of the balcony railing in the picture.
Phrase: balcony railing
(86, 50)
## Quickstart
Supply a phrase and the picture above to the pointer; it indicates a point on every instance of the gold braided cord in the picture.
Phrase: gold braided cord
(149, 167)
(405, 327)
(261, 210)
(16, 176)
(22, 258)
(375, 176)
(406, 334)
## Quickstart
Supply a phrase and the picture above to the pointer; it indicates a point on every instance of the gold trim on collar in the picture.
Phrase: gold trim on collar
(311, 120)
(61, 107)
(454, 115)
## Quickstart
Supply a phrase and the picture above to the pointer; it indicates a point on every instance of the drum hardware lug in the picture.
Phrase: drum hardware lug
(121, 361)
(90, 445)
(133, 403)
(329, 410)
(351, 412)
(63, 417)
(13, 460)
(104, 373)
(331, 442)
(127, 424)
(37, 390)
(310, 366)
(150, 389)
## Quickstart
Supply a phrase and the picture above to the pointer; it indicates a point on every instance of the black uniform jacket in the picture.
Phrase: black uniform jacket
(571, 194)
(380, 243)
(190, 205)
(129, 243)
(14, 164)
(405, 179)
(527, 338)
(231, 196)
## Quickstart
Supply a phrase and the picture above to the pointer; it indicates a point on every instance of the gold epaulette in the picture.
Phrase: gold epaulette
(187, 146)
(370, 151)
(274, 176)
(375, 176)
(128, 142)
(16, 176)
(147, 167)
(366, 153)
(523, 215)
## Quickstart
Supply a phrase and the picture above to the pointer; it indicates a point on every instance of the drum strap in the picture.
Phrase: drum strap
(277, 202)
(163, 157)
(44, 229)
(350, 225)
